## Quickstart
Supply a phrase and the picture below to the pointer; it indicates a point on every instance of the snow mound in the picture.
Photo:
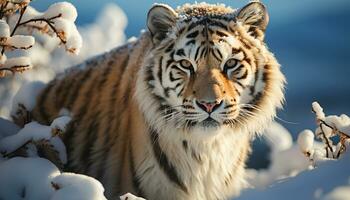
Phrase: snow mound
(39, 179)
(325, 182)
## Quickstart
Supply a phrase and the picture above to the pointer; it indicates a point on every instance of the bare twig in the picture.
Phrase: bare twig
(2, 9)
(49, 22)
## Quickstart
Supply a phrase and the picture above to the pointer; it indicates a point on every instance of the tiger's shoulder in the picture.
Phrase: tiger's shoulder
(99, 75)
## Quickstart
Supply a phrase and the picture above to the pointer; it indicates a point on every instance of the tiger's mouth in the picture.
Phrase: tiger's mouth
(209, 123)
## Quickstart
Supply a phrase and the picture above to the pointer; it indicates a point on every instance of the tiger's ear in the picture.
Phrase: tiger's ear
(256, 17)
(160, 19)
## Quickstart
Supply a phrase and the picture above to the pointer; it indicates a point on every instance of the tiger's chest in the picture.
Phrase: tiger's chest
(189, 170)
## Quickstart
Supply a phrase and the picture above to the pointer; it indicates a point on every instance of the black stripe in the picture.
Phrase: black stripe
(192, 25)
(185, 145)
(90, 138)
(61, 92)
(218, 51)
(160, 71)
(197, 53)
(191, 42)
(169, 48)
(221, 34)
(164, 163)
(74, 92)
(180, 92)
(238, 69)
(105, 76)
(67, 140)
(215, 56)
(193, 34)
(203, 53)
(149, 74)
(172, 78)
(243, 76)
(181, 30)
(180, 52)
(135, 179)
(240, 84)
(217, 23)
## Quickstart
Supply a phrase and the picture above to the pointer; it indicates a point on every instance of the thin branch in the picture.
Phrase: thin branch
(326, 139)
(48, 22)
(7, 69)
(2, 9)
(16, 26)
(335, 129)
(19, 20)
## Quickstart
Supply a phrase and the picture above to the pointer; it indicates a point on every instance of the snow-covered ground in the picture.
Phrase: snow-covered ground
(290, 175)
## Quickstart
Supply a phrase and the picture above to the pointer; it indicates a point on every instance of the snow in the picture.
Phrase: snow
(7, 128)
(18, 62)
(339, 193)
(26, 96)
(65, 9)
(20, 41)
(305, 165)
(31, 13)
(306, 140)
(4, 29)
(318, 110)
(59, 146)
(77, 186)
(35, 132)
(26, 177)
(74, 41)
(129, 196)
(39, 179)
(31, 132)
(3, 59)
(60, 123)
(326, 177)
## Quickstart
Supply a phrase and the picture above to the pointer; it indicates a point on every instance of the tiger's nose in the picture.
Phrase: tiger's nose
(208, 106)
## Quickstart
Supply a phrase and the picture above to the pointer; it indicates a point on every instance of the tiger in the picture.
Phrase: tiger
(172, 114)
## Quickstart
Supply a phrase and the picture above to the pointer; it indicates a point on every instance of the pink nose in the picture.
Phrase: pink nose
(208, 106)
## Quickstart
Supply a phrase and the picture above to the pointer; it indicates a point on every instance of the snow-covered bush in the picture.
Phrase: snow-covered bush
(18, 21)
(311, 166)
(332, 130)
(105, 33)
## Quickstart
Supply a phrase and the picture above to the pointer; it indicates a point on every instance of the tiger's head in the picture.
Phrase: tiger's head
(208, 68)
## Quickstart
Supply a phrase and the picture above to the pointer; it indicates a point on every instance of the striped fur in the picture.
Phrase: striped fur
(137, 125)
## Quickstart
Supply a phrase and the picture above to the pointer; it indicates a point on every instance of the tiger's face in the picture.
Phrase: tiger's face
(209, 66)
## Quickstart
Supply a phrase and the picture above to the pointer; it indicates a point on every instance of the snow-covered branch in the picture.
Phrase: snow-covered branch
(58, 20)
(332, 130)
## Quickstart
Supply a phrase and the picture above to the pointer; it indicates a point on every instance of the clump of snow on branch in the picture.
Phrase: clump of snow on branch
(18, 21)
(34, 134)
(332, 130)
(129, 196)
(39, 179)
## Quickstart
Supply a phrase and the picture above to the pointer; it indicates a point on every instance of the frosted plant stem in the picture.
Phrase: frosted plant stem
(16, 26)
(2, 12)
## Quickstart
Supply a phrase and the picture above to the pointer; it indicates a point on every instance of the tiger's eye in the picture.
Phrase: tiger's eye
(185, 63)
(231, 63)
